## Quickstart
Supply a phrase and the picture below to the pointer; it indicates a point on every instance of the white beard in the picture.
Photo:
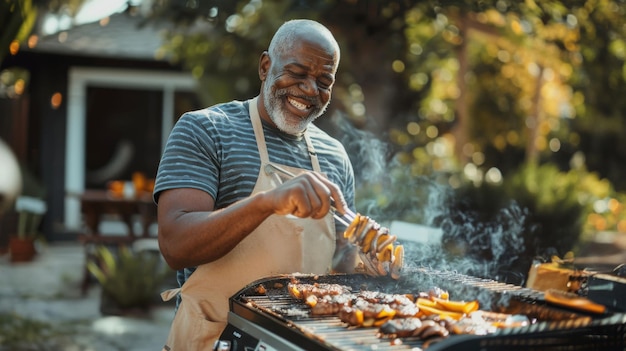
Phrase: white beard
(278, 115)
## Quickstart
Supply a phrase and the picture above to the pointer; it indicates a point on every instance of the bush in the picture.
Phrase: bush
(130, 279)
(536, 211)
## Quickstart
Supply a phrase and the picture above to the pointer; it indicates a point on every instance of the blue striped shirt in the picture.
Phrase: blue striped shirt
(215, 150)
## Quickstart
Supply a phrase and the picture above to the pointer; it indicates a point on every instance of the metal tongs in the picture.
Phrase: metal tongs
(377, 253)
(345, 219)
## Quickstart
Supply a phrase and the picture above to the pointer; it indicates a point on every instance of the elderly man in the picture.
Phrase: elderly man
(245, 189)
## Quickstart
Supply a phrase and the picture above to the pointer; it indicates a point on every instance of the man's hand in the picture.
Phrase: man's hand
(309, 194)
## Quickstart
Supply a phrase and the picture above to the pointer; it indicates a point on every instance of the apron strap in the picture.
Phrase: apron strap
(260, 138)
(258, 130)
(170, 294)
(314, 161)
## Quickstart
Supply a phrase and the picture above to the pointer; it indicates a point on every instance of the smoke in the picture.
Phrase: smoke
(485, 247)
(473, 242)
(368, 154)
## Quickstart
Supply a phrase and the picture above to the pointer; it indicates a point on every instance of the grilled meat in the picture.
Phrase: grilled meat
(407, 327)
(401, 327)
(363, 313)
(329, 304)
(302, 291)
(431, 315)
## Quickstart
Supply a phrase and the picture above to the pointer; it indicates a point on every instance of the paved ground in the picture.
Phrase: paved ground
(41, 304)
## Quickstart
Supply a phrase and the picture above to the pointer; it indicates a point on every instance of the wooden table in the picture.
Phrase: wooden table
(96, 203)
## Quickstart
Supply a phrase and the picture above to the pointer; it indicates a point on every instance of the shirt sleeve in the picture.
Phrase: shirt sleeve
(189, 159)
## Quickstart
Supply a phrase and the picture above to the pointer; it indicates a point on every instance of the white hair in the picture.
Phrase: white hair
(287, 33)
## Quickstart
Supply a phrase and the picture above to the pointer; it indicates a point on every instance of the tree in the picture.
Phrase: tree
(457, 91)
(17, 18)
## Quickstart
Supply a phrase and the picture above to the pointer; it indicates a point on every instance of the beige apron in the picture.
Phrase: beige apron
(280, 245)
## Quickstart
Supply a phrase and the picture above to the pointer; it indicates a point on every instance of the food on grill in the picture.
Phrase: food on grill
(428, 309)
(303, 291)
(381, 297)
(378, 254)
(430, 314)
(457, 306)
(363, 313)
(261, 289)
(487, 322)
(441, 324)
(436, 303)
(573, 301)
(328, 304)
(407, 327)
(402, 305)
(364, 306)
(397, 262)
(536, 323)
(372, 308)
(436, 292)
(401, 327)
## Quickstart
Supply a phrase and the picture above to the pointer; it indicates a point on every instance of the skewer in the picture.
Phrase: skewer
(346, 219)
(340, 219)
(350, 215)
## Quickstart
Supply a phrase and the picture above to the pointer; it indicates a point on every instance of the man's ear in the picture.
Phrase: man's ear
(264, 65)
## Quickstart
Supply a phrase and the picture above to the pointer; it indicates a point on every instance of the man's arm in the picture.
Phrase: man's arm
(192, 232)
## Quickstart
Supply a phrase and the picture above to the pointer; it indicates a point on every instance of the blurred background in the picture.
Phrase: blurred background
(497, 127)
(452, 112)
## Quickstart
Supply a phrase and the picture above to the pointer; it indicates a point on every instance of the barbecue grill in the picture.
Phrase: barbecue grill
(264, 316)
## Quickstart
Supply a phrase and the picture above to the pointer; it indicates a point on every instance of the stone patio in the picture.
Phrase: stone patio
(47, 290)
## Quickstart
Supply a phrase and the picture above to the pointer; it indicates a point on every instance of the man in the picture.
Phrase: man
(245, 189)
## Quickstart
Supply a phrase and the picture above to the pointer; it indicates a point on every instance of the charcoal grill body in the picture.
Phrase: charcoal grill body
(263, 316)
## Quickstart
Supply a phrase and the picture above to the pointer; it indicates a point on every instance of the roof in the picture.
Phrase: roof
(121, 35)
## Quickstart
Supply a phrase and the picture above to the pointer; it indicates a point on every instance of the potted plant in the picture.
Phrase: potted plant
(131, 280)
(30, 211)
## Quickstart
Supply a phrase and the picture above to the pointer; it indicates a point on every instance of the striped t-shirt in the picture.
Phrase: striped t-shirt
(215, 150)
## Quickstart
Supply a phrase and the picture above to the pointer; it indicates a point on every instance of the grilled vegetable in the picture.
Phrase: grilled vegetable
(377, 252)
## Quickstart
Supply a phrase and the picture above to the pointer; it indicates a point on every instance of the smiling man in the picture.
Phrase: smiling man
(297, 74)
(245, 188)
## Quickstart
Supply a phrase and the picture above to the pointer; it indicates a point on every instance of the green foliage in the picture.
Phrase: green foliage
(17, 18)
(509, 81)
(130, 279)
(567, 197)
(544, 188)
(224, 55)
(536, 211)
(453, 86)
(23, 334)
(557, 202)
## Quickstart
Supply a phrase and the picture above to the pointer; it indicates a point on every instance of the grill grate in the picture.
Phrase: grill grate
(555, 328)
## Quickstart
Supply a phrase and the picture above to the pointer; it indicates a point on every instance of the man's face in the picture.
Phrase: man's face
(298, 85)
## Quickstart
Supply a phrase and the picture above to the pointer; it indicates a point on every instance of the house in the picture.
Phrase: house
(98, 106)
